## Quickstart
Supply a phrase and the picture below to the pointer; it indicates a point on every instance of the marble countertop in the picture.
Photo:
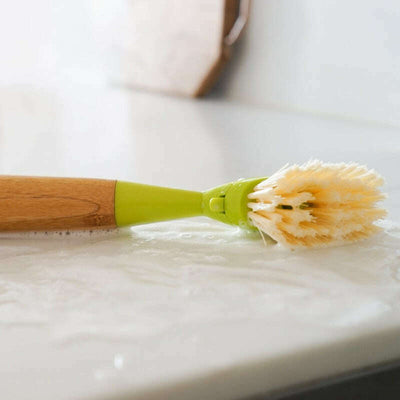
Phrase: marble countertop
(187, 309)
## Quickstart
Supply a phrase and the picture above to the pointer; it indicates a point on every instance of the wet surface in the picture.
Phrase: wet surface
(179, 289)
(142, 281)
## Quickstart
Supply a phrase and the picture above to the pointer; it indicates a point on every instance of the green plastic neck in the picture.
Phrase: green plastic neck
(136, 203)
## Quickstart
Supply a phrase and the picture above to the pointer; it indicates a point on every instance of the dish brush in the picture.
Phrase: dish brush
(311, 205)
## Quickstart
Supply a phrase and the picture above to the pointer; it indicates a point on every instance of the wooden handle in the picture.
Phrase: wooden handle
(41, 204)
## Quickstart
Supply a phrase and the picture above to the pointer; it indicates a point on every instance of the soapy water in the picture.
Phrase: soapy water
(145, 280)
(54, 234)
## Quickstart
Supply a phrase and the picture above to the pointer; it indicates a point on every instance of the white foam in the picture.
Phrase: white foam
(59, 234)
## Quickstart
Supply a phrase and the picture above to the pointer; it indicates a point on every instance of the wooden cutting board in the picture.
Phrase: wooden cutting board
(173, 46)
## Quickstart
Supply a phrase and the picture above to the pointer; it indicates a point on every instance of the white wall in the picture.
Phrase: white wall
(321, 56)
(339, 57)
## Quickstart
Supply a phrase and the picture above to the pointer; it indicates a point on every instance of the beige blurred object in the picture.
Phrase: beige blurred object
(176, 46)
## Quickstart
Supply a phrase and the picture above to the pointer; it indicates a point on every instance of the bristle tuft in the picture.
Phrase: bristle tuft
(318, 204)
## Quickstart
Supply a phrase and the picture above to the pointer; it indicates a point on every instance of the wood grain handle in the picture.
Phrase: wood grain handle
(41, 204)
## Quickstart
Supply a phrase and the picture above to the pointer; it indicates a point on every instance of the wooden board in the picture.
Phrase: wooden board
(173, 46)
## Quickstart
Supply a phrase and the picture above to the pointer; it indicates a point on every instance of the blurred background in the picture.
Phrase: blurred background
(105, 88)
(337, 58)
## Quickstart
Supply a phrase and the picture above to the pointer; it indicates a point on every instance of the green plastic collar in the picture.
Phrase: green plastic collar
(228, 203)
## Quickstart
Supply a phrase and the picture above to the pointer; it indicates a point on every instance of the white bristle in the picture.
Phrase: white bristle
(318, 204)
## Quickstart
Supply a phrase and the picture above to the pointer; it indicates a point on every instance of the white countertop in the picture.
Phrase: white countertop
(190, 309)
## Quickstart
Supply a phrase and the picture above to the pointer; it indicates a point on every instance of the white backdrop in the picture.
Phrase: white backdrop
(340, 58)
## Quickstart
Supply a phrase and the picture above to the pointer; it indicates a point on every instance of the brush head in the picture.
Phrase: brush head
(317, 204)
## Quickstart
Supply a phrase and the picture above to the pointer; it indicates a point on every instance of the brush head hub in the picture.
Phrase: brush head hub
(228, 203)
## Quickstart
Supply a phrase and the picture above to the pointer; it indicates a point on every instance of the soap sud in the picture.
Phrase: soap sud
(363, 312)
(215, 259)
(118, 361)
(59, 234)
